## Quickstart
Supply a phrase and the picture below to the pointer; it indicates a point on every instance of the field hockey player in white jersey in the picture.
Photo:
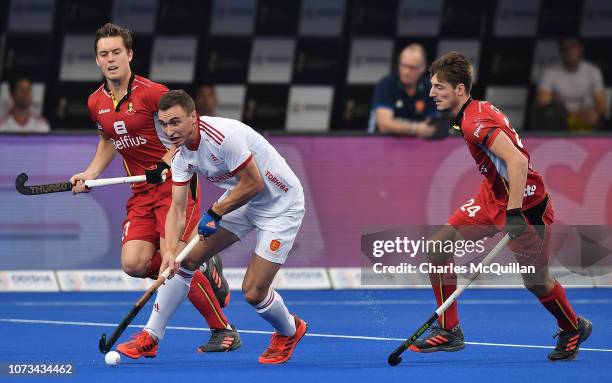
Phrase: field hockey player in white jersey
(263, 194)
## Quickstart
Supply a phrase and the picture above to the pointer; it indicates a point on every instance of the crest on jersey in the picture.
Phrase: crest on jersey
(275, 245)
(130, 108)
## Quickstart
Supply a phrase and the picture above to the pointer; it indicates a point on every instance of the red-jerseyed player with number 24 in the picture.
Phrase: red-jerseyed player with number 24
(124, 109)
(512, 197)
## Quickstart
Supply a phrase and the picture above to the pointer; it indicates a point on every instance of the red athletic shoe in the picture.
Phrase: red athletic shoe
(142, 344)
(281, 347)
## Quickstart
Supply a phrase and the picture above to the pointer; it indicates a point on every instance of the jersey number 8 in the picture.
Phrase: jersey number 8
(120, 127)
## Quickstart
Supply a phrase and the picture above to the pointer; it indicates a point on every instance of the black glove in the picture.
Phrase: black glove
(515, 223)
(157, 175)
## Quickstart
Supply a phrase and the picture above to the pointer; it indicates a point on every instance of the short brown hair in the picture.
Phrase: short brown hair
(454, 68)
(113, 30)
(177, 97)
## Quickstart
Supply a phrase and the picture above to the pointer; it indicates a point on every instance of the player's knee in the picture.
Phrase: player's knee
(436, 253)
(134, 267)
(253, 293)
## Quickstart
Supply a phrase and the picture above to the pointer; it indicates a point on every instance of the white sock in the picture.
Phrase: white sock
(169, 297)
(274, 311)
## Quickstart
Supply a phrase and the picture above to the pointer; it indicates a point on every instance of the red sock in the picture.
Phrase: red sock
(154, 265)
(203, 298)
(443, 286)
(556, 302)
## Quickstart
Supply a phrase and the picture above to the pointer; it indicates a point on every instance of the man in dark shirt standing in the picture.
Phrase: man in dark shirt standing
(401, 103)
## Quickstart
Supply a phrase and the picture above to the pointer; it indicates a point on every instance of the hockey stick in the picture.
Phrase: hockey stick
(105, 345)
(395, 357)
(67, 186)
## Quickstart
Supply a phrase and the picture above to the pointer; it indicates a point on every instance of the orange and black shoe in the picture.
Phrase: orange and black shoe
(222, 340)
(440, 339)
(568, 343)
(141, 344)
(281, 347)
(213, 271)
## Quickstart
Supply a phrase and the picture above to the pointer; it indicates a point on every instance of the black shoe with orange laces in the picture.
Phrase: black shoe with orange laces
(568, 343)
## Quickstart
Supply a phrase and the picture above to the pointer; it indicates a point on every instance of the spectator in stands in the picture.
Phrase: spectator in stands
(206, 100)
(401, 104)
(20, 117)
(572, 88)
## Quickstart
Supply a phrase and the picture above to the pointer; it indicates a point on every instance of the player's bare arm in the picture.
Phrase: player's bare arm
(175, 224)
(250, 183)
(516, 164)
(105, 152)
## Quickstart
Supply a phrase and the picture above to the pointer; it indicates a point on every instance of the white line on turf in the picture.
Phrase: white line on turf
(183, 328)
(364, 302)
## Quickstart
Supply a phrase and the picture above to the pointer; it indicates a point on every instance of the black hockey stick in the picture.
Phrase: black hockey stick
(395, 357)
(106, 345)
(40, 189)
(67, 186)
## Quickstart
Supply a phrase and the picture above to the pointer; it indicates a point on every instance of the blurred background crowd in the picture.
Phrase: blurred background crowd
(357, 66)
